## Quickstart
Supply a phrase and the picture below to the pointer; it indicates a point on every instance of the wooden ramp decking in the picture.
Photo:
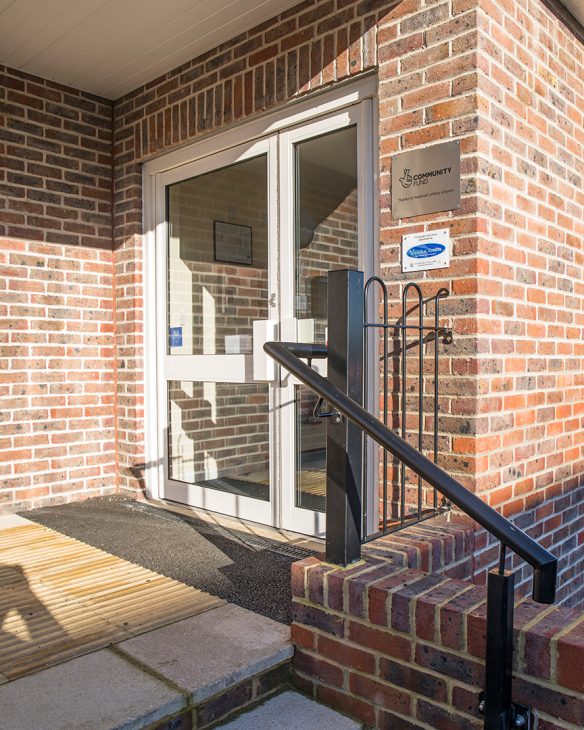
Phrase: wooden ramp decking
(60, 598)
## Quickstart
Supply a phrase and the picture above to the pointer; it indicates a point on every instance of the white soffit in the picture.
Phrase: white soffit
(111, 47)
(576, 7)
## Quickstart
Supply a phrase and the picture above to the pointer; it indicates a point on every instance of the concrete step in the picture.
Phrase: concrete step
(291, 711)
(190, 674)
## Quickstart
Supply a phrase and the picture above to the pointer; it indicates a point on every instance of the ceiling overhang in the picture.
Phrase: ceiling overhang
(111, 47)
(576, 8)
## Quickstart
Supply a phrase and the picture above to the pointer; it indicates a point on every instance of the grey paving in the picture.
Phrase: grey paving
(205, 654)
(9, 521)
(99, 691)
(291, 711)
(249, 570)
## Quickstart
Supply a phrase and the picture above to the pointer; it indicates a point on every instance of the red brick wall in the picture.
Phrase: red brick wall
(56, 304)
(396, 647)
(530, 299)
(505, 81)
(511, 391)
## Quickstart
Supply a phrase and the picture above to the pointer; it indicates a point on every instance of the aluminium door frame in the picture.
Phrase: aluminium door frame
(213, 368)
(358, 115)
(311, 107)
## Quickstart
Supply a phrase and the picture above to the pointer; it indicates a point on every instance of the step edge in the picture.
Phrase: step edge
(251, 670)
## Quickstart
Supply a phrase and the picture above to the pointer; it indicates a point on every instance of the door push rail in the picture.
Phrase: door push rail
(500, 713)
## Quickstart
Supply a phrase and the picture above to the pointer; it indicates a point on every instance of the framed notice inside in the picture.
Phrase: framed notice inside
(232, 243)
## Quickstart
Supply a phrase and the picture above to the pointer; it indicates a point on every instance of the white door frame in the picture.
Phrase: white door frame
(213, 368)
(174, 166)
(297, 518)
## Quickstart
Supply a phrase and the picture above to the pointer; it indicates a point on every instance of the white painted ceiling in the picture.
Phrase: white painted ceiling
(111, 47)
(576, 7)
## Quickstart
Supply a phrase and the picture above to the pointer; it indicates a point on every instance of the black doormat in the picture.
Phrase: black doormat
(240, 487)
(242, 568)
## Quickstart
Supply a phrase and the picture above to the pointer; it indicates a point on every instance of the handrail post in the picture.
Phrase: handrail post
(499, 650)
(344, 443)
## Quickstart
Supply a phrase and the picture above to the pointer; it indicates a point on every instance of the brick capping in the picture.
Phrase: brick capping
(399, 647)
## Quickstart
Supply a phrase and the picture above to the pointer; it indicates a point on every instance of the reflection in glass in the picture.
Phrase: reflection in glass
(326, 238)
(218, 436)
(310, 453)
(326, 223)
(217, 259)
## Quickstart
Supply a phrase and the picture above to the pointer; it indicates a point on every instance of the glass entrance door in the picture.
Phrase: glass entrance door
(321, 201)
(246, 236)
(217, 258)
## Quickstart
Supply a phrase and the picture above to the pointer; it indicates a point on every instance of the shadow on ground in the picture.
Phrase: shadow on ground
(245, 569)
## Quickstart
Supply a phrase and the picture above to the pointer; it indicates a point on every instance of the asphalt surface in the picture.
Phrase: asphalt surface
(244, 569)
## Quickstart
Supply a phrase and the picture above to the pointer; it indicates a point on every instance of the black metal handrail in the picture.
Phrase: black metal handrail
(288, 354)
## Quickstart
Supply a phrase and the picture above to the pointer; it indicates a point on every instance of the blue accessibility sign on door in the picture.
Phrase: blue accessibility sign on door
(175, 336)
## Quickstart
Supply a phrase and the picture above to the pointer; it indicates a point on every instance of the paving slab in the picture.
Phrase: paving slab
(214, 650)
(291, 711)
(99, 691)
(9, 521)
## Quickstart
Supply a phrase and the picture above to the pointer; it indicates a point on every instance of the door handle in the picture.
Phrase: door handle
(319, 413)
(264, 367)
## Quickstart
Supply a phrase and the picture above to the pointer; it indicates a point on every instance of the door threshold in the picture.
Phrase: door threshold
(276, 534)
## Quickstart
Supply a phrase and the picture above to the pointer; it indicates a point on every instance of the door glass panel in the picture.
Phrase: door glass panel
(326, 223)
(326, 238)
(217, 259)
(310, 452)
(218, 436)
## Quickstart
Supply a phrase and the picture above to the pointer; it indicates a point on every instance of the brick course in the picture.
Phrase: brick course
(56, 174)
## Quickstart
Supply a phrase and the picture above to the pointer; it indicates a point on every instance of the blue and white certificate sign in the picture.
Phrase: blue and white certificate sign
(425, 251)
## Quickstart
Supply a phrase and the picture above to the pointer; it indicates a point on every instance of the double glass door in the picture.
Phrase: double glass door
(245, 238)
